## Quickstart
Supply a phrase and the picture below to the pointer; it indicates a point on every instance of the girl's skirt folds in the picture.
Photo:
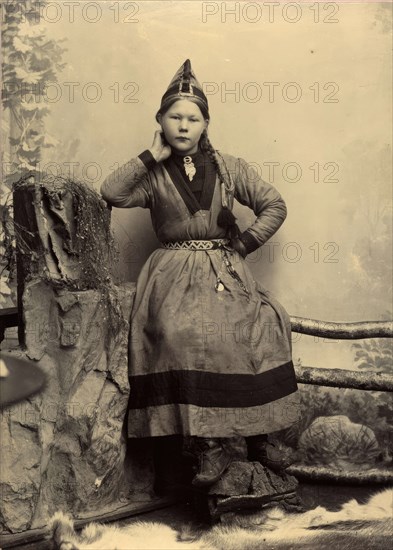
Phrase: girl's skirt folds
(203, 362)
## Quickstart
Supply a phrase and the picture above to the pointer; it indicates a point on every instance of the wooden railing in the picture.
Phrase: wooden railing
(342, 331)
(340, 378)
(343, 378)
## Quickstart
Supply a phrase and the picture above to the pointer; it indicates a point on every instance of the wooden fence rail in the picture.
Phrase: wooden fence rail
(340, 378)
(342, 331)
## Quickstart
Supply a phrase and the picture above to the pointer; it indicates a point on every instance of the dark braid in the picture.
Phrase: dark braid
(225, 218)
(206, 146)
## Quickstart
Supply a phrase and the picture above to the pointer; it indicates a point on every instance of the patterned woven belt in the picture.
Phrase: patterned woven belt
(195, 244)
(212, 245)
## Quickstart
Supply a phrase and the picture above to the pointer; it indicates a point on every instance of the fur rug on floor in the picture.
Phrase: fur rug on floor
(365, 526)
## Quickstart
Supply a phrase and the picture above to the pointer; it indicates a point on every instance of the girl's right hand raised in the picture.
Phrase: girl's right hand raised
(160, 149)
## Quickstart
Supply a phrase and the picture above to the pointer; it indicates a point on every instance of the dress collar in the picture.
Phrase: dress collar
(197, 157)
(175, 163)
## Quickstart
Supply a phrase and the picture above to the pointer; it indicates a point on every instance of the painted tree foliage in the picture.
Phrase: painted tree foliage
(31, 61)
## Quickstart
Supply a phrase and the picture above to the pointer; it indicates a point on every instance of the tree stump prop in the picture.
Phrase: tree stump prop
(63, 236)
(65, 449)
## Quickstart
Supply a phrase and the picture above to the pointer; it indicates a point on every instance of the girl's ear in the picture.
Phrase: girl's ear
(159, 118)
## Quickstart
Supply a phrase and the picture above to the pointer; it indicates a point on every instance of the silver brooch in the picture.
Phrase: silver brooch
(189, 167)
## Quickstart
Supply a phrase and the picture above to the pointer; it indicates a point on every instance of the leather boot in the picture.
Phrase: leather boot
(267, 453)
(213, 460)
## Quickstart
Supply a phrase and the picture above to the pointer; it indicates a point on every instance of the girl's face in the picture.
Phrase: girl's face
(183, 124)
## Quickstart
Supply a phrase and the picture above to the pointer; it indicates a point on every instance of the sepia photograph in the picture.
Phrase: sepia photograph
(196, 311)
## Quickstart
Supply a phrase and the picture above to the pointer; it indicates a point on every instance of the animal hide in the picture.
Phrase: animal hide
(367, 526)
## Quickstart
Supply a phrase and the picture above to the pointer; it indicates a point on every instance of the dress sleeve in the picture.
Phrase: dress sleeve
(129, 185)
(264, 200)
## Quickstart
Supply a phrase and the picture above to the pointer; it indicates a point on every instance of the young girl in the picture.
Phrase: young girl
(210, 349)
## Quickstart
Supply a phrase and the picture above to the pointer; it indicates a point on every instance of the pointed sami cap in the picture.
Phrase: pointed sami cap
(184, 85)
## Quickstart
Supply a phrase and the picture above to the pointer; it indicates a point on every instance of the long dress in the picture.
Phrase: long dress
(201, 362)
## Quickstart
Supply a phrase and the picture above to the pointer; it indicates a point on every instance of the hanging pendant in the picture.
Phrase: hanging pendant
(189, 167)
(219, 287)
